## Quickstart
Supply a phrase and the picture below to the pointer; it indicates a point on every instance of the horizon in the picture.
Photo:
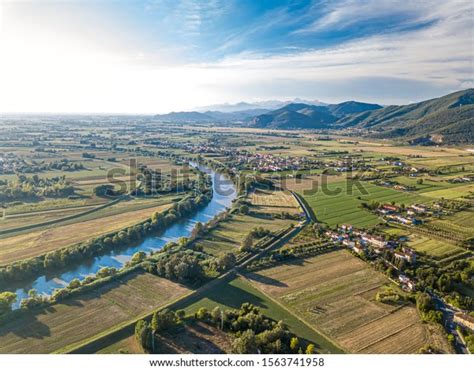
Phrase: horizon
(154, 57)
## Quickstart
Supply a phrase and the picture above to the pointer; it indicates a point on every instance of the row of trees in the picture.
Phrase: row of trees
(252, 331)
(63, 257)
(35, 187)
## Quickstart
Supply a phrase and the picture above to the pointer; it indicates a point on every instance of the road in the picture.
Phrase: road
(449, 325)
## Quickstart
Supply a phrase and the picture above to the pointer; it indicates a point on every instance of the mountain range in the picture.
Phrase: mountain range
(448, 119)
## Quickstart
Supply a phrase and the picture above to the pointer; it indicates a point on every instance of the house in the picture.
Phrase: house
(464, 320)
(406, 283)
(418, 208)
(346, 228)
(390, 207)
(406, 254)
(348, 243)
(376, 241)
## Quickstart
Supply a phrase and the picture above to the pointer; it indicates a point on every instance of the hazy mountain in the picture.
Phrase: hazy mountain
(448, 119)
(310, 116)
(190, 117)
(210, 116)
(264, 105)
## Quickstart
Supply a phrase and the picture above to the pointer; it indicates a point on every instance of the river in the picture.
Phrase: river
(223, 195)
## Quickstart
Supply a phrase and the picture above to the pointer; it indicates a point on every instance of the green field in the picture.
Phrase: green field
(434, 248)
(228, 235)
(344, 206)
(231, 295)
(87, 315)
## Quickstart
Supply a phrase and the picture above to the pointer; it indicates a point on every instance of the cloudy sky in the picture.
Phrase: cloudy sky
(161, 55)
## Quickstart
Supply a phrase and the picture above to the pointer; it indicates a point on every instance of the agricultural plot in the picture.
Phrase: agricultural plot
(335, 293)
(340, 202)
(308, 184)
(87, 315)
(454, 192)
(38, 242)
(231, 295)
(274, 201)
(193, 337)
(433, 248)
(228, 235)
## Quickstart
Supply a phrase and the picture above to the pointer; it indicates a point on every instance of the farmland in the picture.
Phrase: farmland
(194, 337)
(340, 202)
(273, 201)
(231, 295)
(86, 315)
(336, 292)
(38, 242)
(228, 236)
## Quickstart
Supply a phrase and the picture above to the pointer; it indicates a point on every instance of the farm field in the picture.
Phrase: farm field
(455, 192)
(434, 248)
(309, 183)
(228, 235)
(83, 213)
(194, 337)
(335, 292)
(344, 206)
(41, 241)
(231, 295)
(274, 201)
(89, 314)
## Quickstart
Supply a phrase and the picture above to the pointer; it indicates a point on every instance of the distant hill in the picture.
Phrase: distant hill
(210, 116)
(266, 105)
(448, 119)
(310, 116)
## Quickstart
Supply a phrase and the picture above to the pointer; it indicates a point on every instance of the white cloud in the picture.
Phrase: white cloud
(44, 71)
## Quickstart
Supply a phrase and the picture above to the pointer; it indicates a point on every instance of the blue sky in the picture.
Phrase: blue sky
(160, 55)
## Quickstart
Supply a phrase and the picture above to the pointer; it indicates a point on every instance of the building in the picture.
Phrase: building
(406, 254)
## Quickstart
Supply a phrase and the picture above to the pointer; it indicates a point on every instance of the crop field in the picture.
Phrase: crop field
(231, 295)
(41, 241)
(88, 314)
(335, 293)
(274, 201)
(193, 337)
(341, 202)
(309, 183)
(228, 235)
(79, 214)
(455, 192)
(434, 248)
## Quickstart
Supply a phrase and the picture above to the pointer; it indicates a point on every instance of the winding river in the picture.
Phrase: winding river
(223, 195)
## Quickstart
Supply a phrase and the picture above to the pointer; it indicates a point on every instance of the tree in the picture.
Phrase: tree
(310, 349)
(226, 261)
(216, 315)
(245, 344)
(294, 342)
(74, 284)
(163, 320)
(144, 335)
(138, 257)
(198, 230)
(247, 242)
(202, 314)
(244, 209)
(6, 301)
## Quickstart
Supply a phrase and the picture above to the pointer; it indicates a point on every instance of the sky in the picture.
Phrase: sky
(156, 56)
